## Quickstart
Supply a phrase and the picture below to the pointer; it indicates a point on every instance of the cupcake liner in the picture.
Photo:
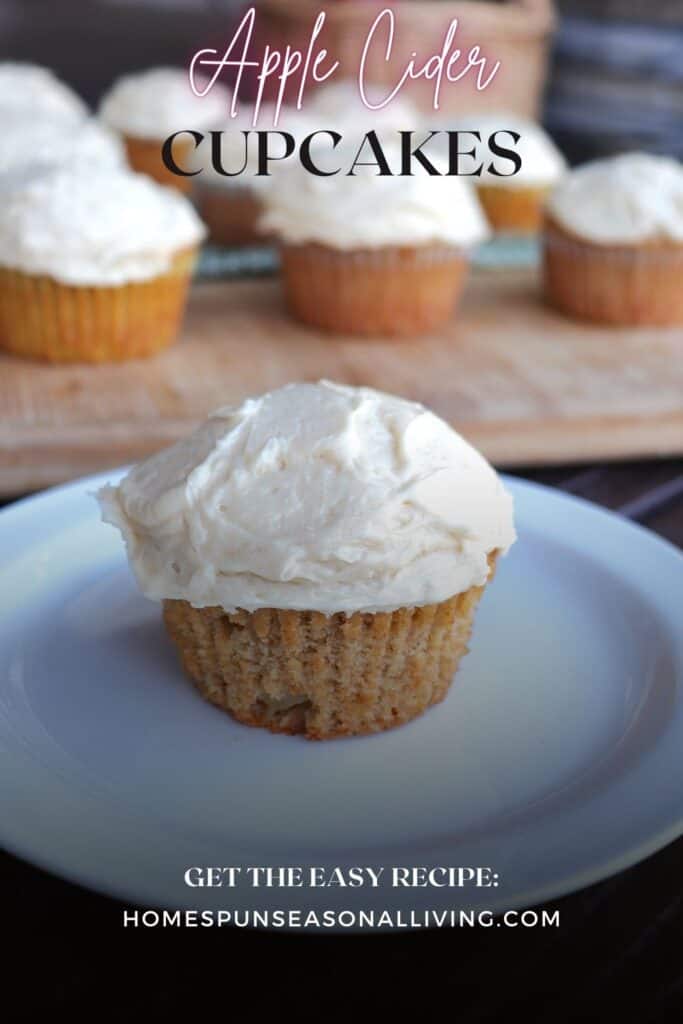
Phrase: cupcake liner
(41, 318)
(144, 155)
(513, 209)
(231, 213)
(324, 676)
(615, 284)
(390, 291)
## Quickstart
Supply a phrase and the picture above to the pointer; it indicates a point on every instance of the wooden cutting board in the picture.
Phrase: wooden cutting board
(524, 384)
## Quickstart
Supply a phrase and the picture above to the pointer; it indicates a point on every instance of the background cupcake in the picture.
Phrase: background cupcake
(514, 204)
(340, 107)
(94, 263)
(36, 89)
(231, 204)
(367, 254)
(48, 139)
(148, 106)
(613, 245)
(320, 552)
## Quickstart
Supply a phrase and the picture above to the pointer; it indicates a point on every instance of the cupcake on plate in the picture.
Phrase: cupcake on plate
(319, 552)
(369, 254)
(148, 106)
(514, 204)
(613, 241)
(47, 139)
(36, 89)
(94, 263)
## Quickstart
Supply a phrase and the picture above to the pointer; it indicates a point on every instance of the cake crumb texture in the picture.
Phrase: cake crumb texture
(323, 676)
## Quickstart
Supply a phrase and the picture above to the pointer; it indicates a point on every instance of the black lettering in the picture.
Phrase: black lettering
(216, 154)
(407, 154)
(454, 153)
(305, 153)
(380, 160)
(264, 154)
(507, 154)
(167, 152)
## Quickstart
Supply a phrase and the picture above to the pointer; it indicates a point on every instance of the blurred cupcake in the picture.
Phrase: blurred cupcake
(94, 263)
(230, 203)
(340, 107)
(37, 90)
(320, 552)
(613, 241)
(514, 204)
(373, 255)
(47, 139)
(148, 106)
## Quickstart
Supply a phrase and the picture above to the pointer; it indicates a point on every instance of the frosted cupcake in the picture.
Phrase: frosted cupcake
(94, 263)
(613, 245)
(47, 139)
(373, 255)
(148, 106)
(514, 204)
(37, 90)
(230, 204)
(320, 552)
(339, 106)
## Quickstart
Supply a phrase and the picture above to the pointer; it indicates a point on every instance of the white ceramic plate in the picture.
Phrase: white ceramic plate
(556, 758)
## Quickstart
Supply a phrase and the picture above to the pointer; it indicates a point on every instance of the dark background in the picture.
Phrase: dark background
(616, 81)
(616, 75)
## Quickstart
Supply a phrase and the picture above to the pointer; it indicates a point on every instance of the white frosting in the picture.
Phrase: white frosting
(88, 225)
(313, 497)
(542, 163)
(35, 89)
(42, 138)
(634, 197)
(339, 106)
(153, 104)
(367, 210)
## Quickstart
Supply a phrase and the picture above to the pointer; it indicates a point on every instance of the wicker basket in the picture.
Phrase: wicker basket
(517, 33)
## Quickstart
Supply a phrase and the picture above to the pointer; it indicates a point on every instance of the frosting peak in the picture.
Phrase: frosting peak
(88, 224)
(634, 197)
(542, 162)
(153, 104)
(368, 210)
(34, 88)
(45, 139)
(313, 497)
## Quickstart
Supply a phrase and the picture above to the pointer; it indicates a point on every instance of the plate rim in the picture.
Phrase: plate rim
(83, 487)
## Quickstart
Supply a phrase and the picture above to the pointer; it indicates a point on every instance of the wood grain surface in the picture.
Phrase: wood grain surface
(524, 384)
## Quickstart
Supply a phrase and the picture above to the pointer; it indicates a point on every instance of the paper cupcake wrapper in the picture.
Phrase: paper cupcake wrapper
(324, 676)
(513, 209)
(144, 156)
(389, 291)
(231, 213)
(614, 284)
(41, 318)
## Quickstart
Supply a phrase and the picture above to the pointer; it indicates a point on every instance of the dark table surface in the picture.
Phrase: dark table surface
(618, 950)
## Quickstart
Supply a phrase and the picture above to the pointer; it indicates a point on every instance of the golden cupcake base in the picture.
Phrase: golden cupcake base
(324, 676)
(41, 318)
(392, 291)
(144, 156)
(513, 209)
(626, 285)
